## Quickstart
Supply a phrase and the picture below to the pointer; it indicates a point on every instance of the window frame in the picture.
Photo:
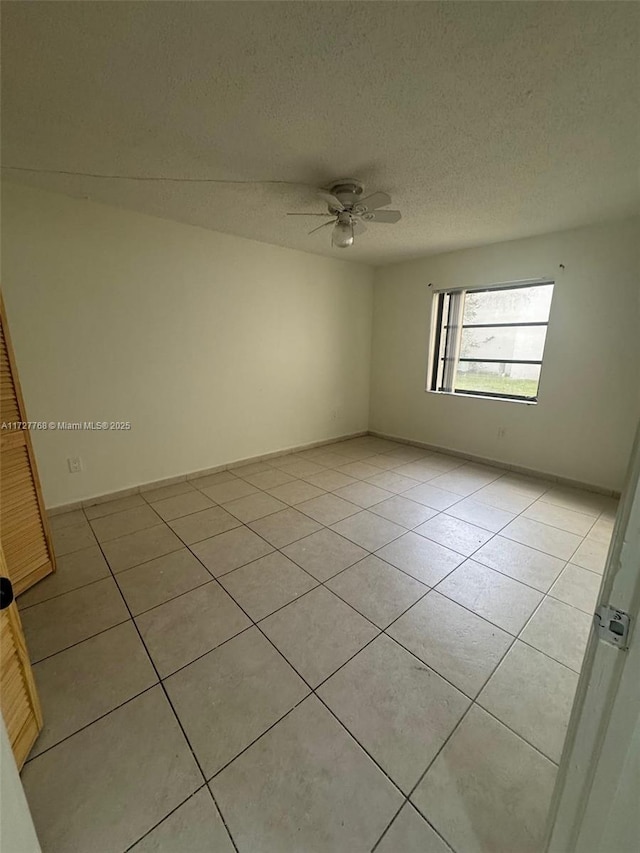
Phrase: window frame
(439, 326)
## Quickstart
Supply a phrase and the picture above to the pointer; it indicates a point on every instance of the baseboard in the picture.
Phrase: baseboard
(238, 463)
(496, 463)
(192, 475)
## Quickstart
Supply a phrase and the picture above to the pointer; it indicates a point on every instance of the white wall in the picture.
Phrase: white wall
(589, 398)
(215, 348)
(17, 832)
(218, 348)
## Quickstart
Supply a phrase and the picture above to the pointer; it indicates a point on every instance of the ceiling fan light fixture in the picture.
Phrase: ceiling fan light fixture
(342, 235)
(347, 212)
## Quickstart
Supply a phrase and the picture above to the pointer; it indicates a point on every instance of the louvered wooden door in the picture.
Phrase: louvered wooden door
(26, 553)
(24, 530)
(18, 697)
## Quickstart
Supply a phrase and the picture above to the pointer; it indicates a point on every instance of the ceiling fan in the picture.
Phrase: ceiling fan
(348, 212)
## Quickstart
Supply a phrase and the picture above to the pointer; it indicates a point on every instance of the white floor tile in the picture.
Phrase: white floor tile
(488, 791)
(306, 785)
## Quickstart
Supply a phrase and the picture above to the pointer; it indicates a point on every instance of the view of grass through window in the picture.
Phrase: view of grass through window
(468, 381)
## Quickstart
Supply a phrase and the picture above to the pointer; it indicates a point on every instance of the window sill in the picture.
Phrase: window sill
(482, 397)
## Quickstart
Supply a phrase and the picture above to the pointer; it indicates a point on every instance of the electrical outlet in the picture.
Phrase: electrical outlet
(502, 431)
(75, 464)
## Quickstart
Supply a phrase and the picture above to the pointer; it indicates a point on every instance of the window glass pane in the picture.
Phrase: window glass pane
(519, 305)
(519, 380)
(511, 342)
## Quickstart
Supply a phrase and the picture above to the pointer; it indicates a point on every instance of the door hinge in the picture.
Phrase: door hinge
(613, 625)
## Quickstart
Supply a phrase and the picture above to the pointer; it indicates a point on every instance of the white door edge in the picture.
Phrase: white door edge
(599, 769)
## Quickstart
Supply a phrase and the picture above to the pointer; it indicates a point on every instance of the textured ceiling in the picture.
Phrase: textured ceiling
(484, 121)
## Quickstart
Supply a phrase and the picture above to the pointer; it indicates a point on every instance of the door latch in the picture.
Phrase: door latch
(613, 625)
(6, 593)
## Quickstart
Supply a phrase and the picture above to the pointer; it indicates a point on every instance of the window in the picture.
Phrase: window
(490, 342)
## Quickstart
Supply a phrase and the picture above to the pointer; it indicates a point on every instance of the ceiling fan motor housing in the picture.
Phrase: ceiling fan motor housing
(347, 191)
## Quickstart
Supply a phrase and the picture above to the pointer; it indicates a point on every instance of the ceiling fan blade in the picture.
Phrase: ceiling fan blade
(385, 216)
(313, 230)
(309, 214)
(332, 200)
(359, 227)
(372, 202)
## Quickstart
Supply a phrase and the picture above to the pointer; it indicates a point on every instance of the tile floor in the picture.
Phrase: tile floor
(359, 647)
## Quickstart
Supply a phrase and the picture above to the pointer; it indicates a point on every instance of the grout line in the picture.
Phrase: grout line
(204, 654)
(533, 547)
(469, 610)
(91, 722)
(550, 656)
(592, 518)
(78, 642)
(535, 610)
(156, 825)
(444, 677)
(427, 589)
(205, 538)
(576, 549)
(173, 598)
(222, 818)
(91, 522)
(389, 825)
(517, 734)
(143, 562)
(266, 731)
(24, 607)
(568, 603)
(168, 815)
(477, 559)
(408, 804)
(426, 770)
